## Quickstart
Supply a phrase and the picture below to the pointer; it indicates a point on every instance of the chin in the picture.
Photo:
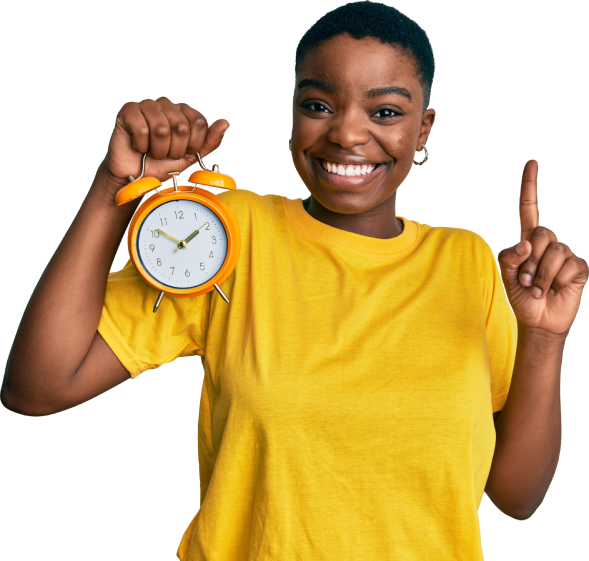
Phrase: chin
(347, 203)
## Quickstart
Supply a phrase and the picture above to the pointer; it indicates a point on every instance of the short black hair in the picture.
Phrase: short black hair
(373, 19)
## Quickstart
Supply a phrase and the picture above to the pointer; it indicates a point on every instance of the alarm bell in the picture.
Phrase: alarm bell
(212, 178)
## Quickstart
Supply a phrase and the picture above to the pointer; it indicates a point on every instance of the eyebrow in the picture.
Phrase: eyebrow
(377, 92)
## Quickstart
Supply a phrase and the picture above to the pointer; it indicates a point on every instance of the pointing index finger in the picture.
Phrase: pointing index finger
(528, 200)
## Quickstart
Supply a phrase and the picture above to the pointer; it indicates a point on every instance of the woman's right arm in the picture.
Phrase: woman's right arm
(58, 359)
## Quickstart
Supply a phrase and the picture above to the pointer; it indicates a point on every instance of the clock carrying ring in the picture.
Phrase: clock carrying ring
(200, 163)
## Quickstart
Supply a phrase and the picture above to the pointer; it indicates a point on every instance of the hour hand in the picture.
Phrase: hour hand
(168, 236)
(195, 233)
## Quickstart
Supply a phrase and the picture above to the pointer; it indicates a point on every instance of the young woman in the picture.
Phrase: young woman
(350, 406)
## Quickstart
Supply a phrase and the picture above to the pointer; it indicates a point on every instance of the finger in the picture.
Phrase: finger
(550, 264)
(159, 129)
(528, 200)
(179, 128)
(198, 128)
(540, 239)
(574, 269)
(510, 260)
(214, 136)
(131, 119)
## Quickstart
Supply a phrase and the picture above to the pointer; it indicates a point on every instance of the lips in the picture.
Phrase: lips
(349, 170)
(346, 175)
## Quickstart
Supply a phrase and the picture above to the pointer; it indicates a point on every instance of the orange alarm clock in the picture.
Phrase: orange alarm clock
(183, 241)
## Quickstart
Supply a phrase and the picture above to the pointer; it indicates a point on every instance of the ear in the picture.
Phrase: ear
(427, 122)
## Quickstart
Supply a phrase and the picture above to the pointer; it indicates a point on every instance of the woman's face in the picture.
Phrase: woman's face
(357, 121)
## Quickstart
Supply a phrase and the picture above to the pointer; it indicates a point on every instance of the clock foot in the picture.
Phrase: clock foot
(221, 293)
(157, 302)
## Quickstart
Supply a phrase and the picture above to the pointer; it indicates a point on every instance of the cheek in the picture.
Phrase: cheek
(307, 132)
(400, 145)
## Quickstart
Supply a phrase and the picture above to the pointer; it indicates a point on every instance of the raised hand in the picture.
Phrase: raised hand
(543, 278)
(170, 133)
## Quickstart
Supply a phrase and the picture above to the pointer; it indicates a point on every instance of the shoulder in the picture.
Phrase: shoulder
(459, 236)
(459, 239)
(242, 199)
(247, 205)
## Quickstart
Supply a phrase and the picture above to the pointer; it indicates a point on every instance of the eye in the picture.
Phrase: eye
(315, 106)
(386, 113)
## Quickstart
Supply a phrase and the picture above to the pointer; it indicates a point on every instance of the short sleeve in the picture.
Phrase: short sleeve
(501, 329)
(142, 339)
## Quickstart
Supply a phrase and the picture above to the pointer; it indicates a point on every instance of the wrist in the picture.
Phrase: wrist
(107, 184)
(541, 339)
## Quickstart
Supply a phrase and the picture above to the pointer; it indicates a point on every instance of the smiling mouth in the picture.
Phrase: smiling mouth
(348, 170)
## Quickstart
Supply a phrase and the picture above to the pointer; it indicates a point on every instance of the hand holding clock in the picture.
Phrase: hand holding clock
(58, 358)
(170, 133)
(543, 278)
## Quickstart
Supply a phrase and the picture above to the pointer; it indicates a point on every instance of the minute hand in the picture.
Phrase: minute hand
(184, 243)
(168, 236)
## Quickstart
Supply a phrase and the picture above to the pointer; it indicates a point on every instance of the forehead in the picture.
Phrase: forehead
(360, 64)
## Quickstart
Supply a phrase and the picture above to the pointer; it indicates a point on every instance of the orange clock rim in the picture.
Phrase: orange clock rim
(205, 198)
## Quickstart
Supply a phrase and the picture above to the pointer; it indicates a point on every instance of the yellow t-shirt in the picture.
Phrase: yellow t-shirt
(346, 410)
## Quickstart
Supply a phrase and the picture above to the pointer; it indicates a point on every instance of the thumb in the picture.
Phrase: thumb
(510, 260)
(214, 136)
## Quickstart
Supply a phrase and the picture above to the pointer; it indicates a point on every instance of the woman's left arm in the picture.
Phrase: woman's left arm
(544, 281)
(528, 427)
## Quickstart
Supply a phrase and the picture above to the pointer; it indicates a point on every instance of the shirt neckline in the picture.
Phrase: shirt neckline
(305, 223)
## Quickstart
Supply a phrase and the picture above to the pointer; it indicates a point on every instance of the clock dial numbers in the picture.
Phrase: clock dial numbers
(164, 249)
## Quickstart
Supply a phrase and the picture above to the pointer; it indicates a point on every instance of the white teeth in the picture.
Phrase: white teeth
(348, 171)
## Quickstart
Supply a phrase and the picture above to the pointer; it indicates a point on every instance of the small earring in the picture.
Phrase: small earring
(424, 159)
(290, 144)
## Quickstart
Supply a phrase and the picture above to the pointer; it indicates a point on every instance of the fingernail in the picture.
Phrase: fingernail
(519, 248)
(526, 279)
(536, 292)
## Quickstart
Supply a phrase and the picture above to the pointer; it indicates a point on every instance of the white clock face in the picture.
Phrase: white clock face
(196, 229)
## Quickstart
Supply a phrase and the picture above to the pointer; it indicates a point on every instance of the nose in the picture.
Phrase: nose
(349, 129)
